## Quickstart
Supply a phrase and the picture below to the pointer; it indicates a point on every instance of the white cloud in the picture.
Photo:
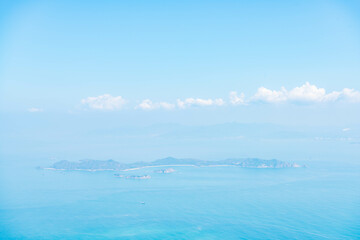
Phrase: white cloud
(166, 105)
(346, 129)
(350, 95)
(104, 102)
(237, 100)
(188, 102)
(147, 104)
(267, 95)
(306, 93)
(310, 93)
(33, 109)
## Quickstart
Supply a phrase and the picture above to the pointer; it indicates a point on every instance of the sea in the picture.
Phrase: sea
(321, 201)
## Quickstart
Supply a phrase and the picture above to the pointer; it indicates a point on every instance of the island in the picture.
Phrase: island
(111, 165)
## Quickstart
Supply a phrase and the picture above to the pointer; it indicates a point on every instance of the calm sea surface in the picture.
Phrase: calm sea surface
(318, 202)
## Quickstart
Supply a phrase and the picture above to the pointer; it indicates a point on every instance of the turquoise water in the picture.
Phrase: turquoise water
(318, 202)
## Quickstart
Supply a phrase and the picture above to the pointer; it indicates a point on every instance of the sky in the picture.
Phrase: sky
(69, 69)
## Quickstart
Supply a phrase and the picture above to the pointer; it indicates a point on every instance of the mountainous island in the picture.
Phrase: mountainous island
(111, 165)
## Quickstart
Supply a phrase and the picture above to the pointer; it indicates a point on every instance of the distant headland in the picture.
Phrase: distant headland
(111, 165)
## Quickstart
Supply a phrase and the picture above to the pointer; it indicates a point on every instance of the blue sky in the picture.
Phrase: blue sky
(290, 63)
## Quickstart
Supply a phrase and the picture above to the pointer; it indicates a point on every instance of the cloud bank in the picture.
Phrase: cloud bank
(305, 94)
